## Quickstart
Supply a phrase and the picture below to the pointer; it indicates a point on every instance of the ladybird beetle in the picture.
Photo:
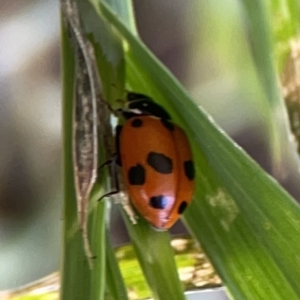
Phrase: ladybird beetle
(156, 161)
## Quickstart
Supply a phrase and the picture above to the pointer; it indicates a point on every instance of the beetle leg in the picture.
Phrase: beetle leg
(113, 162)
(114, 174)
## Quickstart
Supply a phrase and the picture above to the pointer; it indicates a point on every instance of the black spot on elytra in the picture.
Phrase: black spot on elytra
(189, 169)
(169, 125)
(158, 202)
(183, 205)
(160, 162)
(137, 175)
(136, 123)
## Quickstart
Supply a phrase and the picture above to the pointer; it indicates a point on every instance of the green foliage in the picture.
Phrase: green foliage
(246, 223)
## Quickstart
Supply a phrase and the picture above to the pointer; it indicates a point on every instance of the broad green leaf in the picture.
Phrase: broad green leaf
(248, 225)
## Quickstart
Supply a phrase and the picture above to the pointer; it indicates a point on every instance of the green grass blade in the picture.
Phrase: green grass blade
(78, 281)
(246, 222)
(75, 268)
(124, 9)
(261, 42)
(156, 258)
(98, 242)
(115, 282)
(108, 50)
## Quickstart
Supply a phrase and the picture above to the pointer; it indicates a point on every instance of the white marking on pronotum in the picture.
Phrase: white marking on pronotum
(86, 97)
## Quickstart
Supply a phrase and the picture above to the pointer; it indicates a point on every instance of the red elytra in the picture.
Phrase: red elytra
(156, 161)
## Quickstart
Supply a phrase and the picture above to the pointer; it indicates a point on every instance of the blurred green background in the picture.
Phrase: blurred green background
(204, 43)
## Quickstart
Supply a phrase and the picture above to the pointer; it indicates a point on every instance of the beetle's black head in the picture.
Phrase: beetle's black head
(139, 104)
